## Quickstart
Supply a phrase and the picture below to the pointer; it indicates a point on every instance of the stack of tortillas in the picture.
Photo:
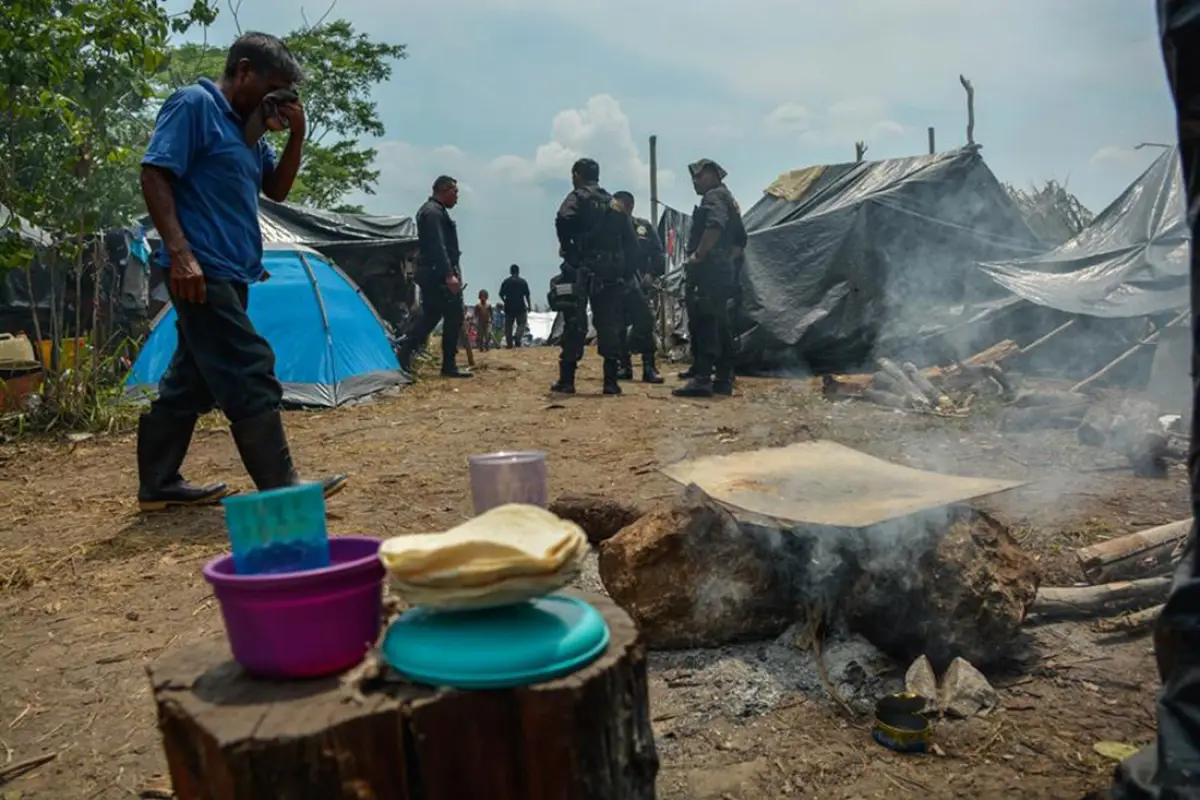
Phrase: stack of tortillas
(507, 555)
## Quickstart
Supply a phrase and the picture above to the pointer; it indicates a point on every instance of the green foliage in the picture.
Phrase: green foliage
(342, 67)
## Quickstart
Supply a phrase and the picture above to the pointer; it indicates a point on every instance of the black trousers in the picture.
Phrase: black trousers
(221, 361)
(709, 287)
(517, 323)
(439, 304)
(637, 323)
(607, 318)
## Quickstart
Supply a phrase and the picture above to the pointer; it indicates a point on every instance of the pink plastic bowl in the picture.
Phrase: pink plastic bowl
(303, 624)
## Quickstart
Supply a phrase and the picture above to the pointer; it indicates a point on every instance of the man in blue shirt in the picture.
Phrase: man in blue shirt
(201, 177)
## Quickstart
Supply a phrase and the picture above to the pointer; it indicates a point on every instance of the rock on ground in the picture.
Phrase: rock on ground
(921, 681)
(965, 594)
(600, 517)
(965, 692)
(690, 576)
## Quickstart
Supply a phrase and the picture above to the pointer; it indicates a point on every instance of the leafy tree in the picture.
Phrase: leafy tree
(341, 68)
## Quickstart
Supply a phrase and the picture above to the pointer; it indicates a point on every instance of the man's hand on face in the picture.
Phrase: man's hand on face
(187, 279)
(294, 114)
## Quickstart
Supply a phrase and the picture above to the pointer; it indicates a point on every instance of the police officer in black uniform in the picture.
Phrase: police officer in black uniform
(650, 262)
(716, 240)
(440, 278)
(597, 243)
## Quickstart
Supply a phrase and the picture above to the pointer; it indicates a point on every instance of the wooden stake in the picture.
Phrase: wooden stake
(654, 181)
(932, 146)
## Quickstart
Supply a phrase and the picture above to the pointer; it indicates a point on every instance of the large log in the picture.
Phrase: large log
(1083, 602)
(852, 385)
(228, 736)
(1136, 555)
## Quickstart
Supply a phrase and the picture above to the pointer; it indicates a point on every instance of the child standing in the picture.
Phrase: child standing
(483, 322)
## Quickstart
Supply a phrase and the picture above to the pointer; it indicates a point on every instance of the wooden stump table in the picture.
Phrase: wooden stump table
(586, 736)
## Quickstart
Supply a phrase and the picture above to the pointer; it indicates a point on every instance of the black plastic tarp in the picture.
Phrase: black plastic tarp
(1132, 261)
(843, 257)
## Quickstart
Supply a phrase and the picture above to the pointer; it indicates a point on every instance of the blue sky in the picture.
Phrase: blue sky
(505, 94)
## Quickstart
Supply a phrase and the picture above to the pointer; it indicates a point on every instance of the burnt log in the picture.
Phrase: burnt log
(600, 517)
(1137, 555)
(228, 736)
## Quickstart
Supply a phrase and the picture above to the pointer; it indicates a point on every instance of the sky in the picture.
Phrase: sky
(505, 94)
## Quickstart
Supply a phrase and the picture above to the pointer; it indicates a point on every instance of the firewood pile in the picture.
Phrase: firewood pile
(949, 390)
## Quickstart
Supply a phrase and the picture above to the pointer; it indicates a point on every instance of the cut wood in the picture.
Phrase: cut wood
(853, 385)
(1131, 623)
(931, 392)
(885, 399)
(1136, 555)
(1083, 602)
(882, 382)
(905, 386)
(1042, 340)
(585, 736)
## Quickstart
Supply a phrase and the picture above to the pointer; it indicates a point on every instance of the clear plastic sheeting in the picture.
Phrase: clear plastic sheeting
(853, 254)
(1132, 261)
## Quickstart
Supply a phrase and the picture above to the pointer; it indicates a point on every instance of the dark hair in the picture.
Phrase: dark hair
(623, 196)
(443, 182)
(587, 169)
(514, 270)
(267, 54)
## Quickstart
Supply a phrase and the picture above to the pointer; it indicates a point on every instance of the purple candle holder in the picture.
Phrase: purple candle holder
(498, 479)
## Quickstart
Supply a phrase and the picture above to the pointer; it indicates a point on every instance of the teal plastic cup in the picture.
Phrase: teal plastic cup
(278, 530)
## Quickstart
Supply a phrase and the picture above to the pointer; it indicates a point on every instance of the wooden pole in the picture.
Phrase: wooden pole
(860, 150)
(654, 181)
(970, 109)
(1151, 339)
(932, 146)
(1136, 555)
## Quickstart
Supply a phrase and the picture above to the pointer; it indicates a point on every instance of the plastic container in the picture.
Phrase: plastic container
(303, 624)
(278, 530)
(496, 648)
(498, 479)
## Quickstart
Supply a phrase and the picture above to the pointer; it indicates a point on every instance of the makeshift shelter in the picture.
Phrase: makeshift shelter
(372, 249)
(845, 259)
(331, 347)
(1132, 261)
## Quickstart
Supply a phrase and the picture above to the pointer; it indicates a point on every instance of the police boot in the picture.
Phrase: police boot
(649, 372)
(625, 373)
(566, 378)
(612, 373)
(688, 373)
(723, 383)
(263, 446)
(162, 444)
(696, 387)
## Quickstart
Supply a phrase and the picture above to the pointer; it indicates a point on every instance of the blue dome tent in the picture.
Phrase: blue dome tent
(331, 347)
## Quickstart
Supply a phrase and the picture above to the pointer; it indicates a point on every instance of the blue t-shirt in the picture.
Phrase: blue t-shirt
(199, 139)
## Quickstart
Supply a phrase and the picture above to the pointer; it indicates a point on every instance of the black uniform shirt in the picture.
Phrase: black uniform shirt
(514, 291)
(718, 209)
(652, 259)
(591, 225)
(437, 240)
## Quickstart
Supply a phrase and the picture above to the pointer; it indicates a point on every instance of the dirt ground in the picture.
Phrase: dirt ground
(90, 591)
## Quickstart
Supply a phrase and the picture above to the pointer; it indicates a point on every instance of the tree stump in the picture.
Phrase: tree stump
(586, 736)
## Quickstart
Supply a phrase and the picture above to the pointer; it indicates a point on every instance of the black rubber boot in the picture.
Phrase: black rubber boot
(688, 374)
(566, 378)
(162, 444)
(696, 387)
(612, 373)
(723, 382)
(625, 372)
(649, 370)
(263, 446)
(451, 370)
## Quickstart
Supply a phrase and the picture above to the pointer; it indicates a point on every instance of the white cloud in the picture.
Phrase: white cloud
(855, 119)
(599, 130)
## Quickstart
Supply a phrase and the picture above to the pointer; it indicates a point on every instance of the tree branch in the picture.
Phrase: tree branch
(234, 10)
(970, 110)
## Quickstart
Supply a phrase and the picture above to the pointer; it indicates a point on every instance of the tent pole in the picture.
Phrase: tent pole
(654, 181)
(932, 146)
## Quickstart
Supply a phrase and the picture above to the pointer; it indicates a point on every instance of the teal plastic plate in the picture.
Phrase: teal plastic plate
(496, 648)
